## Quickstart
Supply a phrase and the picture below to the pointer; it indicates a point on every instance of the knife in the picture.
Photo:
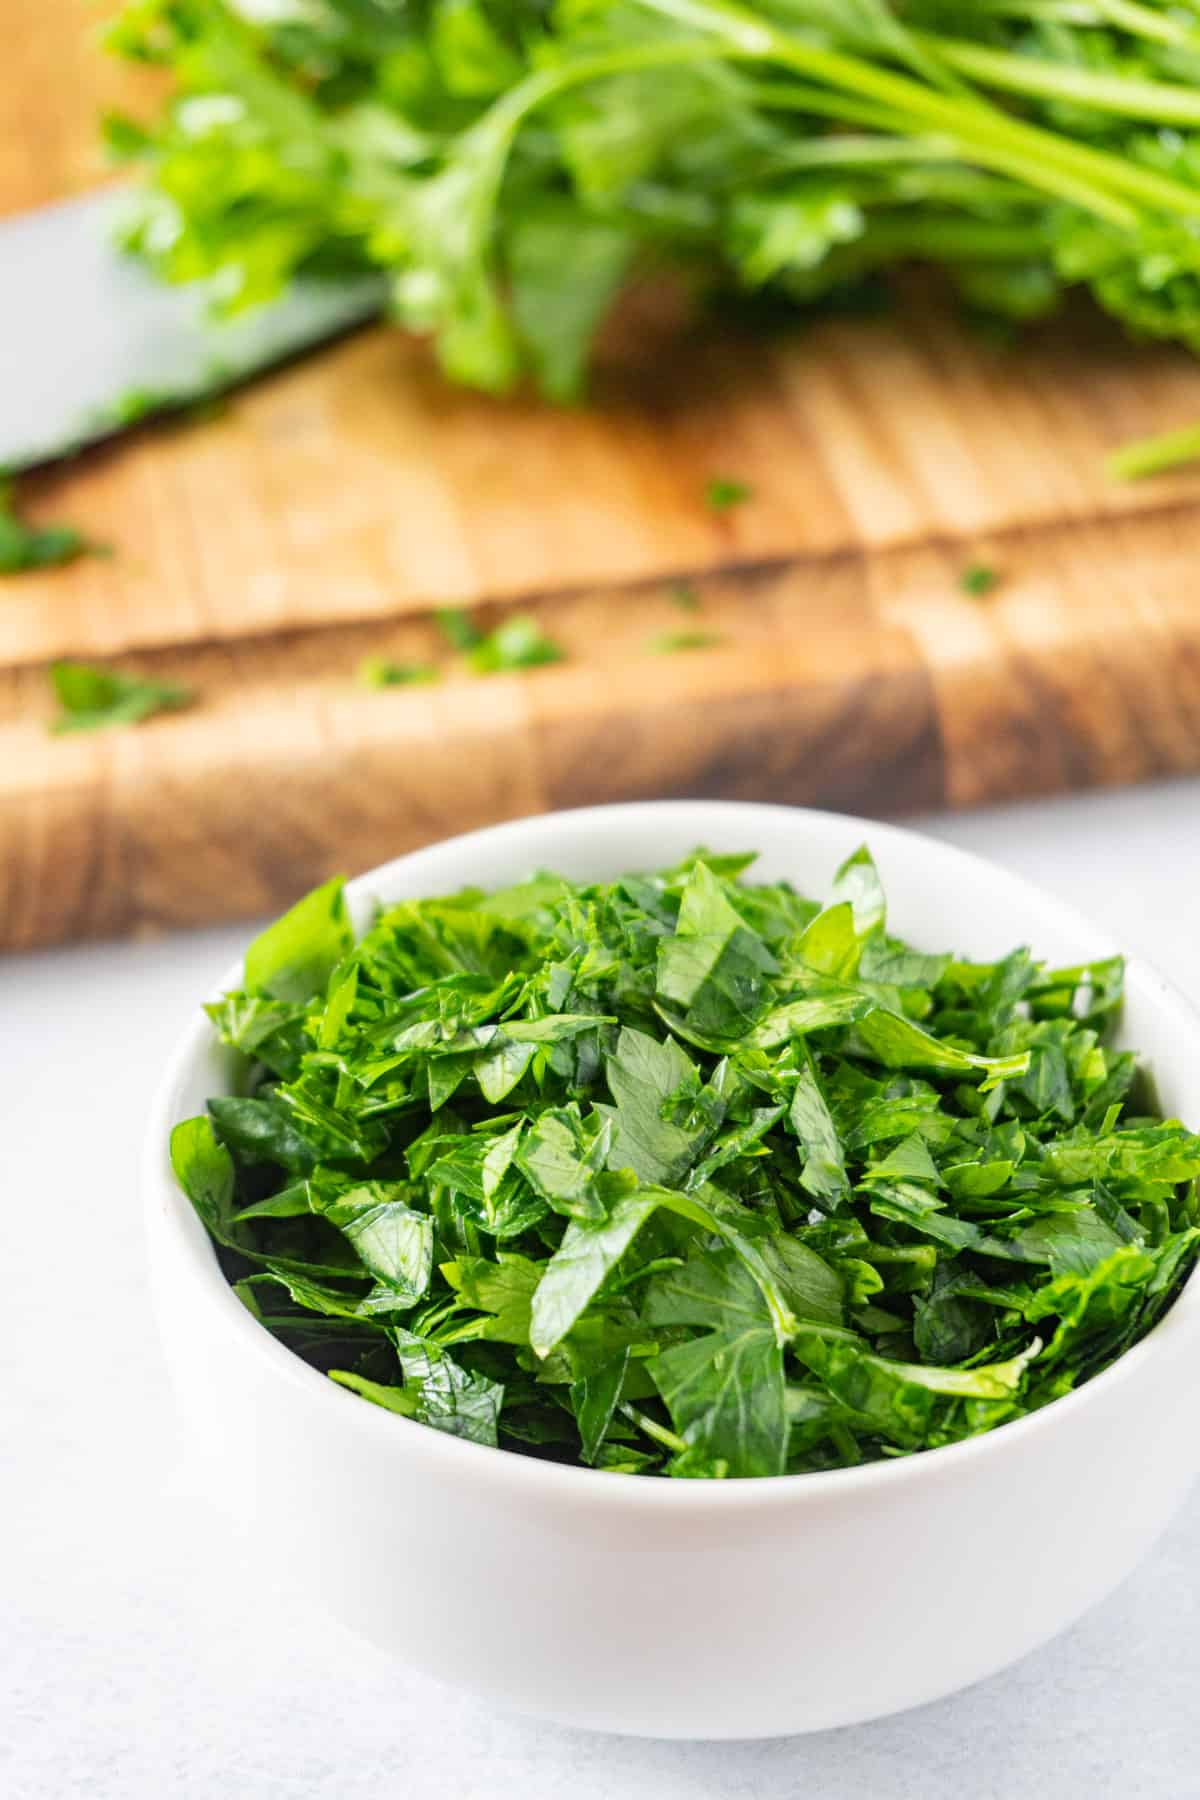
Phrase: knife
(90, 339)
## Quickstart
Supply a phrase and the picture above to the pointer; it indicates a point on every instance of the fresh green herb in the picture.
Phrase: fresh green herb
(518, 643)
(457, 627)
(92, 699)
(136, 404)
(1155, 455)
(685, 597)
(680, 1175)
(378, 672)
(722, 495)
(25, 546)
(978, 579)
(668, 642)
(512, 164)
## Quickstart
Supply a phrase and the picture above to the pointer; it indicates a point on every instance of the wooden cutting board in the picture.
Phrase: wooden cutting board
(260, 557)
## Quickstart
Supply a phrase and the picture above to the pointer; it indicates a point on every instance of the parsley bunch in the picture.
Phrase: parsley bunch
(680, 1175)
(513, 163)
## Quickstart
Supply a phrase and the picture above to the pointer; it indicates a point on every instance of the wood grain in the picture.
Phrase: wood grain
(865, 683)
(260, 557)
(356, 485)
(55, 83)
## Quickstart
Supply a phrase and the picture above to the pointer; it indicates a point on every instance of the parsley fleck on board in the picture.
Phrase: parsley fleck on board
(94, 699)
(722, 494)
(379, 672)
(24, 546)
(978, 580)
(457, 627)
(683, 1175)
(517, 642)
(668, 643)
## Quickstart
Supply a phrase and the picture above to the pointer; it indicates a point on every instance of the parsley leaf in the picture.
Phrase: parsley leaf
(294, 958)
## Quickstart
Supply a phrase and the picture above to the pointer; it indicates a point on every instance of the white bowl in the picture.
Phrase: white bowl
(700, 1609)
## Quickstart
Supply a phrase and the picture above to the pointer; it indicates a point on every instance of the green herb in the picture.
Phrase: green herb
(1155, 455)
(25, 546)
(136, 404)
(668, 642)
(685, 597)
(378, 672)
(978, 579)
(518, 643)
(722, 495)
(512, 165)
(680, 1175)
(92, 699)
(457, 627)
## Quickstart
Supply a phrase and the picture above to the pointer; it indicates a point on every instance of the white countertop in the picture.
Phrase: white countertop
(139, 1663)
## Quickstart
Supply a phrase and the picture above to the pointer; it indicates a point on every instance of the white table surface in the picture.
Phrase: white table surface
(136, 1660)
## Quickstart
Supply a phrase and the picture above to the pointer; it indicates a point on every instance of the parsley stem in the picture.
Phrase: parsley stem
(1043, 158)
(1155, 455)
(1142, 21)
(1159, 101)
(669, 1439)
(1126, 15)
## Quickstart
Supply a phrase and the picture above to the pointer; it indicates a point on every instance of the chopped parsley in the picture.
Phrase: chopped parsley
(684, 1175)
(378, 672)
(978, 579)
(457, 627)
(517, 643)
(722, 494)
(92, 699)
(24, 546)
(668, 642)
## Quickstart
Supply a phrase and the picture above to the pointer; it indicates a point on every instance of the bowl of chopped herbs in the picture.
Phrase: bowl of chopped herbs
(684, 1269)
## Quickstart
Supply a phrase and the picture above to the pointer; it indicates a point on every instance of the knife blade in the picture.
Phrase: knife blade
(89, 335)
